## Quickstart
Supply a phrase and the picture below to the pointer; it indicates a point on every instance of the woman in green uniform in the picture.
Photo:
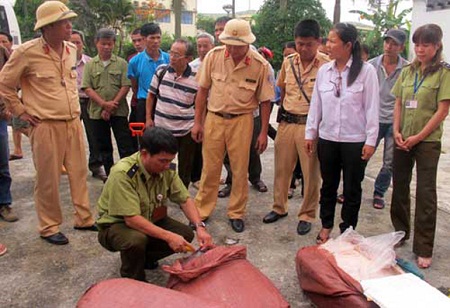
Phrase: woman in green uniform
(422, 102)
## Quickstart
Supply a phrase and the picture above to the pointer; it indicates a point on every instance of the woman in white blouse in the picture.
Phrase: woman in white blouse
(343, 125)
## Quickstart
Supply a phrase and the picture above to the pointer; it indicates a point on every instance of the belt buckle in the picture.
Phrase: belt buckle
(227, 116)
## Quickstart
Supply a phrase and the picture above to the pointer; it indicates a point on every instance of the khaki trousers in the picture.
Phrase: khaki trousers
(54, 144)
(289, 145)
(233, 135)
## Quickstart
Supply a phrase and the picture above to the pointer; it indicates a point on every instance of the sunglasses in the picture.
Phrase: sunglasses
(337, 86)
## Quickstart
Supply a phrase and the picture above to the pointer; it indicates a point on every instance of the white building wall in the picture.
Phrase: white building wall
(186, 29)
(420, 16)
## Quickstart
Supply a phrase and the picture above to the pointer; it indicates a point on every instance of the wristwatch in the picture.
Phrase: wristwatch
(200, 224)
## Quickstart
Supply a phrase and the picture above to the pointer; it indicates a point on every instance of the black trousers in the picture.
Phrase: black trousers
(138, 249)
(197, 166)
(95, 159)
(186, 153)
(254, 165)
(102, 131)
(140, 110)
(334, 157)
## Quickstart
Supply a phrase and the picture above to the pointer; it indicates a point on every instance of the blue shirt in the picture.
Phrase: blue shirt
(142, 68)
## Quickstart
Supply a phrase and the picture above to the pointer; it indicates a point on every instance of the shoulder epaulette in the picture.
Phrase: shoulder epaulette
(445, 65)
(132, 171)
(292, 55)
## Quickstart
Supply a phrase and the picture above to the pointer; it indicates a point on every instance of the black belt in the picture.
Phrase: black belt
(288, 117)
(226, 115)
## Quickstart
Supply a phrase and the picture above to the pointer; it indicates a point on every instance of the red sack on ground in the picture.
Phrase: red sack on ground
(223, 274)
(123, 292)
(325, 283)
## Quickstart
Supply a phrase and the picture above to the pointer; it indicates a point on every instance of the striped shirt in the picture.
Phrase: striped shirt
(175, 106)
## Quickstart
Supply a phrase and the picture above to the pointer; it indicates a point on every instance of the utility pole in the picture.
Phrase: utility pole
(233, 12)
(283, 4)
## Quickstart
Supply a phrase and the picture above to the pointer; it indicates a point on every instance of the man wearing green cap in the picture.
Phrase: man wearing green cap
(45, 68)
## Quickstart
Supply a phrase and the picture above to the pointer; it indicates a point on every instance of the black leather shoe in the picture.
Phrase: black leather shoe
(100, 173)
(88, 228)
(237, 225)
(224, 192)
(303, 227)
(56, 239)
(272, 217)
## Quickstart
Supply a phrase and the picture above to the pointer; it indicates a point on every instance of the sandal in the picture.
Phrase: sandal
(15, 156)
(290, 193)
(320, 240)
(378, 202)
(3, 249)
(224, 192)
(259, 186)
(340, 199)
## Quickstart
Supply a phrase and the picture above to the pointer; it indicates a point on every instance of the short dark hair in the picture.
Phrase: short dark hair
(307, 28)
(222, 20)
(105, 33)
(157, 140)
(150, 28)
(189, 47)
(78, 32)
(136, 31)
(290, 44)
(8, 36)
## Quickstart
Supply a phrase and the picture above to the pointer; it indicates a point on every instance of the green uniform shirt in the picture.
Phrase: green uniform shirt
(434, 89)
(106, 81)
(131, 190)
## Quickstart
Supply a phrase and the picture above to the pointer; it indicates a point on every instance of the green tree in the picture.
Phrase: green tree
(206, 23)
(96, 14)
(383, 17)
(274, 26)
(25, 12)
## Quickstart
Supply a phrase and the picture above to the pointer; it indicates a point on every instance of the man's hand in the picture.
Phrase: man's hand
(411, 141)
(110, 106)
(204, 239)
(398, 138)
(367, 152)
(310, 147)
(261, 143)
(197, 133)
(105, 115)
(149, 123)
(34, 121)
(178, 244)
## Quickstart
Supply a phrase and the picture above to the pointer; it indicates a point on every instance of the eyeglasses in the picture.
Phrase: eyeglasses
(337, 86)
(175, 55)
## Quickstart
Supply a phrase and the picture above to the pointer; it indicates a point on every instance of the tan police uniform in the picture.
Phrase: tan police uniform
(235, 92)
(49, 92)
(289, 142)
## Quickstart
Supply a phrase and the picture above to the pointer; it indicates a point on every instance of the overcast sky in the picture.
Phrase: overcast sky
(215, 6)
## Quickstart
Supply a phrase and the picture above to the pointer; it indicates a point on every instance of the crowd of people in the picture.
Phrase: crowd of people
(334, 109)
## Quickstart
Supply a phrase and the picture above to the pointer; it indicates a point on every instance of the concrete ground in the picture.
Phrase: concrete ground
(37, 274)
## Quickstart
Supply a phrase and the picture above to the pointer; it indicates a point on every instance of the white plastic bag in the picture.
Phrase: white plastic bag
(364, 258)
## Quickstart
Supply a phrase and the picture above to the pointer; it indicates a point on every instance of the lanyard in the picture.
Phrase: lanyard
(417, 86)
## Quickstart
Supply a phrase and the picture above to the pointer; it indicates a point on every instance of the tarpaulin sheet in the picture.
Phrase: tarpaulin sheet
(123, 292)
(223, 274)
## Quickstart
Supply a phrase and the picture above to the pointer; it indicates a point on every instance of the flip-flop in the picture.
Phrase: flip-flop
(14, 157)
(378, 203)
(320, 240)
(423, 262)
(3, 249)
(260, 186)
(340, 199)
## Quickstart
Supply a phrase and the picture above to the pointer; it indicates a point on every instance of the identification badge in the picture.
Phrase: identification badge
(412, 104)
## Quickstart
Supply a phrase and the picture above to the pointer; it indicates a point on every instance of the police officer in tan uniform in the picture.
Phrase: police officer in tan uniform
(46, 70)
(296, 81)
(237, 79)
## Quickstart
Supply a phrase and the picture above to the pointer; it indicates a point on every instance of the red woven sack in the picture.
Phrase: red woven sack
(124, 292)
(223, 274)
(325, 283)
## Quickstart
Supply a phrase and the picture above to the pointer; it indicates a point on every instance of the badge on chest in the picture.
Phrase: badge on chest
(411, 104)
